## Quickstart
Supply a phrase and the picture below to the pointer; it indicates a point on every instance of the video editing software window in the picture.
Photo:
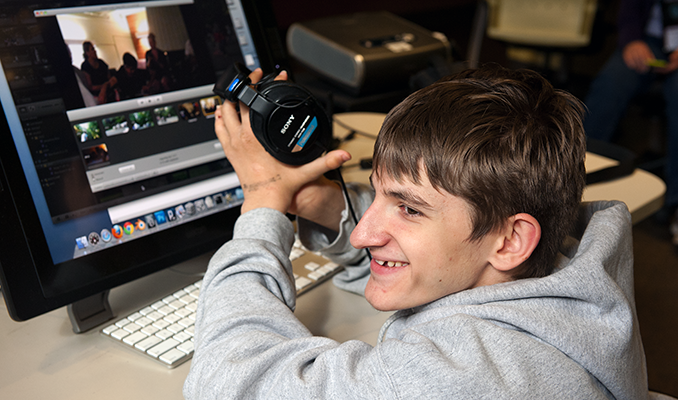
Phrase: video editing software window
(113, 115)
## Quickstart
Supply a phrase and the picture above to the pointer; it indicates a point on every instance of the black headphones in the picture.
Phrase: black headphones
(286, 119)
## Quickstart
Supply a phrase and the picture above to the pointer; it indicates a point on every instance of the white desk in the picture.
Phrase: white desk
(43, 359)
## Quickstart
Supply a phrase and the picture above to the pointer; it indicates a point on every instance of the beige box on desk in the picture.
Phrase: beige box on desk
(367, 51)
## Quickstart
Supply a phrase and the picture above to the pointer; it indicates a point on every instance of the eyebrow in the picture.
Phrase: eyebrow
(407, 196)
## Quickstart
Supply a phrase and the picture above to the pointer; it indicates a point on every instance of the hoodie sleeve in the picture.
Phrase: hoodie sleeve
(248, 342)
(337, 246)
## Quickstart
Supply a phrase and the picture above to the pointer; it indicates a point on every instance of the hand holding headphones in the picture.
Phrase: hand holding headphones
(268, 181)
(286, 119)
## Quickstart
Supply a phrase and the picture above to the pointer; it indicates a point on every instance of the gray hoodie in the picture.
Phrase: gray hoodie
(571, 335)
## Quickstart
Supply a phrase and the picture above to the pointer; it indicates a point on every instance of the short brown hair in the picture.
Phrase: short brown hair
(504, 140)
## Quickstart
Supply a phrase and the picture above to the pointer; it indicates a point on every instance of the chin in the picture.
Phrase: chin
(380, 303)
(382, 308)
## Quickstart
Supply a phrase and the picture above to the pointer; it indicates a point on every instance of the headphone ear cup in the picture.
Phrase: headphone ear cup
(296, 130)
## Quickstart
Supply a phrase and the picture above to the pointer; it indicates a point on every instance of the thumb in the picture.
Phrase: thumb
(332, 160)
(335, 158)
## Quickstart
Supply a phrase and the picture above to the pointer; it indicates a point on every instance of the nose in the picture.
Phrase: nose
(369, 232)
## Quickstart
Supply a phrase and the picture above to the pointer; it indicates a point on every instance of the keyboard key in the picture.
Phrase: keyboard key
(186, 347)
(146, 310)
(302, 282)
(119, 334)
(131, 328)
(183, 313)
(162, 347)
(312, 266)
(175, 328)
(186, 322)
(164, 334)
(172, 318)
(157, 305)
(332, 266)
(155, 316)
(172, 356)
(143, 321)
(182, 337)
(148, 343)
(296, 253)
(150, 330)
(166, 310)
(134, 338)
(161, 324)
(109, 329)
(122, 323)
(314, 276)
(176, 304)
(134, 316)
(325, 270)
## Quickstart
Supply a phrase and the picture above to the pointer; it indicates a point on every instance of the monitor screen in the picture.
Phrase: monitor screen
(110, 166)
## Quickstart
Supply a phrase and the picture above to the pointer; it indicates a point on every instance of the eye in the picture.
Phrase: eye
(410, 211)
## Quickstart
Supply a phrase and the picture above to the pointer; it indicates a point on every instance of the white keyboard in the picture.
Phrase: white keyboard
(163, 331)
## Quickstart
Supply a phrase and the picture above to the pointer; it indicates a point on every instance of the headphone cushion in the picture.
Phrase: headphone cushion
(296, 130)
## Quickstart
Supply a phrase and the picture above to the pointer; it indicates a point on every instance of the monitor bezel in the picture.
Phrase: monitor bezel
(23, 248)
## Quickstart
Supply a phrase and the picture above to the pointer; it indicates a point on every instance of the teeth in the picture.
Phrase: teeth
(390, 263)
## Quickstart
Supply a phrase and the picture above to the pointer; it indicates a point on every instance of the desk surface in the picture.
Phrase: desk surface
(42, 358)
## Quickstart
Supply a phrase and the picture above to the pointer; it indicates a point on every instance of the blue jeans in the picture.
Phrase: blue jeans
(609, 96)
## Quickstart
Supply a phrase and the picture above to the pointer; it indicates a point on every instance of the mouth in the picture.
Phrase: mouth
(391, 264)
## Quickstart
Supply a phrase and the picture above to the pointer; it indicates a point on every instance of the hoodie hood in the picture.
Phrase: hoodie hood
(585, 309)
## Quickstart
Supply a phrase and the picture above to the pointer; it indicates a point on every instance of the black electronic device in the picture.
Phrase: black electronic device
(94, 195)
(286, 119)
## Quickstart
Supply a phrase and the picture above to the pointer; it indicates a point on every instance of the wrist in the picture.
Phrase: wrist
(264, 201)
(323, 206)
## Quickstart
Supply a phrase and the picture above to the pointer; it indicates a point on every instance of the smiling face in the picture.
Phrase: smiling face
(418, 239)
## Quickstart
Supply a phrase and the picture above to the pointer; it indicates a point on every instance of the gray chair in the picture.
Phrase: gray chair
(548, 26)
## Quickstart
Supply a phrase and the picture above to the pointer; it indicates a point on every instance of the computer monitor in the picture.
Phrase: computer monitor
(110, 168)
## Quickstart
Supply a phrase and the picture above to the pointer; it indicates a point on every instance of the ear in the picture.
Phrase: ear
(517, 241)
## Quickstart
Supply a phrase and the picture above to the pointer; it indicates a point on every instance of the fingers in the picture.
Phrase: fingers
(256, 75)
(282, 76)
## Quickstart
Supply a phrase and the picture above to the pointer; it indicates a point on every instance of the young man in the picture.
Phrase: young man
(477, 182)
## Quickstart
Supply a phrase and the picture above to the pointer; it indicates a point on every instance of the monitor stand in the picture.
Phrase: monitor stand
(90, 312)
